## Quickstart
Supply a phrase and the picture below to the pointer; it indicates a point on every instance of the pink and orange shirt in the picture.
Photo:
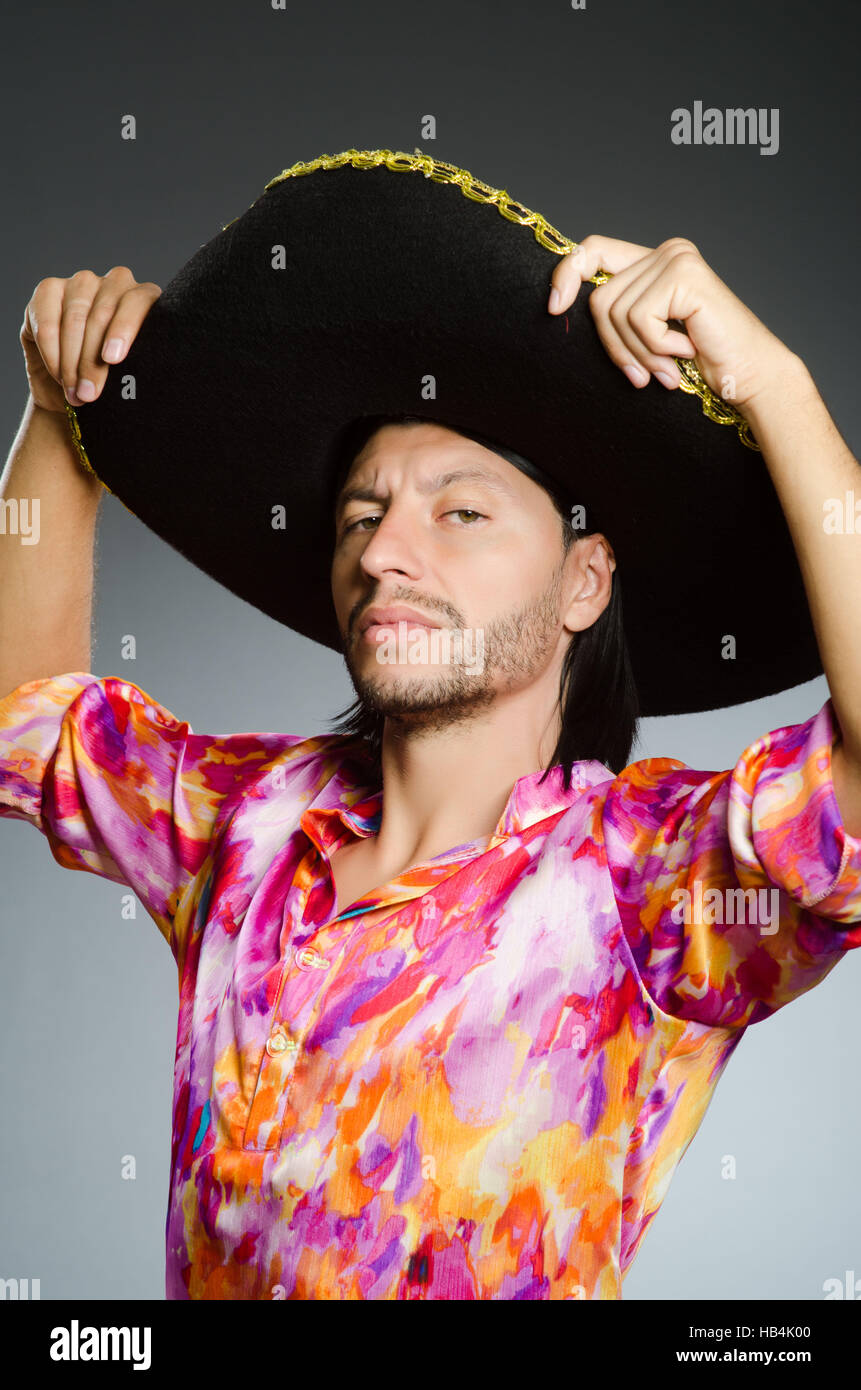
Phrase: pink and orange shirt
(484, 1092)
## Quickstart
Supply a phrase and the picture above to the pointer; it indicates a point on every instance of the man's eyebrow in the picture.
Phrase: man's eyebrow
(367, 493)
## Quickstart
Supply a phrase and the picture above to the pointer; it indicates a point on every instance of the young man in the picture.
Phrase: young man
(453, 997)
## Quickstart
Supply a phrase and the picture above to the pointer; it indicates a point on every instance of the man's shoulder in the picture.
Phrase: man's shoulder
(119, 720)
(272, 764)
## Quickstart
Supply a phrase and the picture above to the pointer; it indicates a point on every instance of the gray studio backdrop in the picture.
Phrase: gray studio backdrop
(570, 111)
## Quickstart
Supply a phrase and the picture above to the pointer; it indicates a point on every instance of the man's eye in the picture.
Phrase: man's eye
(457, 511)
(353, 524)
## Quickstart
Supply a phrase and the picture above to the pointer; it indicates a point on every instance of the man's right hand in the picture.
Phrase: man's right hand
(71, 328)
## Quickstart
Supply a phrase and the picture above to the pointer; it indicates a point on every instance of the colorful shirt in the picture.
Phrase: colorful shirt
(484, 1092)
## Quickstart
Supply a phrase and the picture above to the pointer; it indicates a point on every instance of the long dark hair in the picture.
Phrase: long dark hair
(598, 698)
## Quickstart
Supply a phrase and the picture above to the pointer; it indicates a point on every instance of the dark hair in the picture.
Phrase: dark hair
(597, 695)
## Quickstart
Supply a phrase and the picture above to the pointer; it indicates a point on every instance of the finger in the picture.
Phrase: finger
(593, 253)
(92, 372)
(81, 290)
(627, 349)
(618, 346)
(634, 328)
(651, 323)
(42, 321)
(131, 310)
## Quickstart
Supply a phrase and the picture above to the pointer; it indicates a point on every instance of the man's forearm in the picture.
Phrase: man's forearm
(46, 553)
(813, 470)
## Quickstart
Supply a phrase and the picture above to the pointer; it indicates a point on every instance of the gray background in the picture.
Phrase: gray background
(570, 111)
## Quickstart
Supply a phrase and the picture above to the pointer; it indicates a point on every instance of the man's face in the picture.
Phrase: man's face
(453, 531)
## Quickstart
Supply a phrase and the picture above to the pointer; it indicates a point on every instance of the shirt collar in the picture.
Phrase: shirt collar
(347, 806)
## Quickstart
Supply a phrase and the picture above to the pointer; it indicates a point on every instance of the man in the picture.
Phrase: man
(451, 1009)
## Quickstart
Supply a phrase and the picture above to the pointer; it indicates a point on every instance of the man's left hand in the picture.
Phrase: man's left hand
(735, 353)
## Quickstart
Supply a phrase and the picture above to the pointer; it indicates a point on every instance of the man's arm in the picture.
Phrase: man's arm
(72, 329)
(46, 577)
(810, 463)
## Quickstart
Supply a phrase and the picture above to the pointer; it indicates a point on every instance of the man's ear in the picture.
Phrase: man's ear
(593, 563)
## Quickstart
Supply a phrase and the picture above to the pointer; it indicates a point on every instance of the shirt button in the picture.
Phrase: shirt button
(308, 959)
(280, 1041)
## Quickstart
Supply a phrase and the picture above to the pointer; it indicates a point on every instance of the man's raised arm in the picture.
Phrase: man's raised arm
(48, 502)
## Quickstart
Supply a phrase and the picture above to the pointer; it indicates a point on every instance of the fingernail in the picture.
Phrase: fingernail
(555, 300)
(113, 349)
(665, 378)
(638, 375)
(85, 389)
(71, 396)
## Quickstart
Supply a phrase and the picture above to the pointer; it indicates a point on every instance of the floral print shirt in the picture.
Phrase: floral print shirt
(483, 1091)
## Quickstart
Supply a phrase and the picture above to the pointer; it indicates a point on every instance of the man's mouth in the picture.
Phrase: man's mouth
(389, 619)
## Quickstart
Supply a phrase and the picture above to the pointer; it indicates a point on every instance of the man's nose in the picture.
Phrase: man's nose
(394, 544)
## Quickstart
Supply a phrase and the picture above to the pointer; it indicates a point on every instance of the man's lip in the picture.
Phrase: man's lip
(408, 624)
(370, 635)
(383, 620)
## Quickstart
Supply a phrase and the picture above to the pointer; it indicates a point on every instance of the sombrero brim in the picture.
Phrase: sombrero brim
(376, 282)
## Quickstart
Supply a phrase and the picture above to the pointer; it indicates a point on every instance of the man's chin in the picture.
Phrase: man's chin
(406, 692)
(400, 691)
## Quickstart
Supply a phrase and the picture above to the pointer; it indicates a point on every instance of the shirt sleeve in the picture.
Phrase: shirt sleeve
(740, 890)
(117, 784)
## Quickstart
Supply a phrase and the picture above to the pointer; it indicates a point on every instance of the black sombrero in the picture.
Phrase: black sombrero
(378, 283)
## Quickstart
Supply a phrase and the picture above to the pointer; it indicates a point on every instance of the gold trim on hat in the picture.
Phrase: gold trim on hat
(78, 442)
(72, 417)
(692, 382)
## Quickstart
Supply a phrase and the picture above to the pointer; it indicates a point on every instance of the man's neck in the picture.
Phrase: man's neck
(446, 787)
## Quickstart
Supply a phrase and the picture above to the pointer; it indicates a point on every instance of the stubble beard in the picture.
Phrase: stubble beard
(515, 646)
